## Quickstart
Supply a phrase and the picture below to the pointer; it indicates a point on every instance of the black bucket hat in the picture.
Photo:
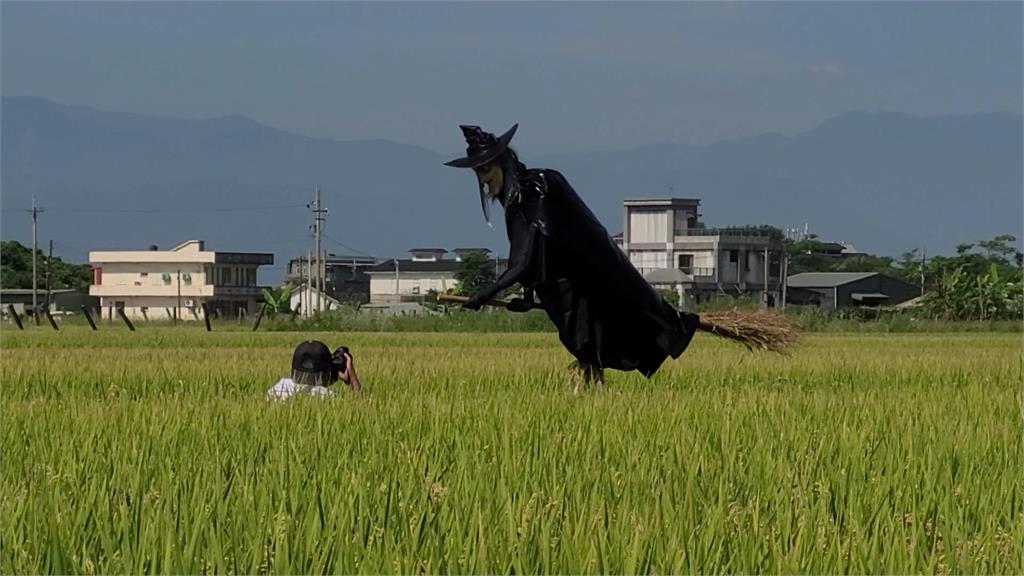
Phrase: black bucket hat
(312, 356)
(483, 147)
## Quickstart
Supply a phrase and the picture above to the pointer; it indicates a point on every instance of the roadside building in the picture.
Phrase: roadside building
(307, 300)
(345, 276)
(832, 290)
(661, 235)
(62, 301)
(411, 279)
(163, 284)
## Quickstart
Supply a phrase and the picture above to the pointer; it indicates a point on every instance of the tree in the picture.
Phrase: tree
(279, 300)
(474, 272)
(986, 285)
(16, 269)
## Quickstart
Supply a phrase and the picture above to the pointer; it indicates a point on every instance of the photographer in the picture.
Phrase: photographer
(314, 370)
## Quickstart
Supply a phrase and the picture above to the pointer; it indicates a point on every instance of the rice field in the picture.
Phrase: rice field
(156, 452)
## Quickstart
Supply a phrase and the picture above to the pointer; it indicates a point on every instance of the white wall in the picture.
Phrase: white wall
(703, 259)
(383, 285)
(648, 226)
(156, 308)
(647, 260)
(311, 301)
(151, 274)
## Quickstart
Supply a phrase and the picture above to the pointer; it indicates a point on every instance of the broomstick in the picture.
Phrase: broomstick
(758, 329)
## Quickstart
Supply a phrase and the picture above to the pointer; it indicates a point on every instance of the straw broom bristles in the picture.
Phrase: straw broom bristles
(755, 329)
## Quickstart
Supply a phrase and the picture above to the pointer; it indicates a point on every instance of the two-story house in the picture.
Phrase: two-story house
(344, 275)
(666, 242)
(175, 283)
(410, 279)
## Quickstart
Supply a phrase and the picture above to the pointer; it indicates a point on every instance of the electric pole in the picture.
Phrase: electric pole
(923, 259)
(319, 215)
(35, 211)
(178, 309)
(49, 260)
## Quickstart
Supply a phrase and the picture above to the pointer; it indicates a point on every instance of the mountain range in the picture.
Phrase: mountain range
(885, 181)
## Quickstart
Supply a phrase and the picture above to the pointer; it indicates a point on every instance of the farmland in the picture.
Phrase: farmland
(156, 452)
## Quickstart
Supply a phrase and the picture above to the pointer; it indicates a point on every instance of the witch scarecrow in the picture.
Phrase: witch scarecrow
(606, 314)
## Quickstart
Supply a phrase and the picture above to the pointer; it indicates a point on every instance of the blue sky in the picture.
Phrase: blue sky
(578, 76)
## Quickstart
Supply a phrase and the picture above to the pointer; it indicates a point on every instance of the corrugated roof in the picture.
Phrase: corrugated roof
(41, 291)
(388, 266)
(661, 201)
(826, 279)
(667, 276)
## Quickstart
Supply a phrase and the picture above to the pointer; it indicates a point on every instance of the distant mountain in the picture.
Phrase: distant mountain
(887, 182)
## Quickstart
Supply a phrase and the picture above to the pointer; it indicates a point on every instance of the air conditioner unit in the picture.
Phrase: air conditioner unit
(189, 303)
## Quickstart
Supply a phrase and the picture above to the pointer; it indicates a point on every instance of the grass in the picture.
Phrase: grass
(491, 320)
(156, 452)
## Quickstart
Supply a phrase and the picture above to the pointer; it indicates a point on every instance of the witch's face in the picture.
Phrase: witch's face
(490, 178)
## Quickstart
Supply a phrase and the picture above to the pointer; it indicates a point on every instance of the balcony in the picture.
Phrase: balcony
(129, 290)
(698, 272)
(727, 232)
(224, 290)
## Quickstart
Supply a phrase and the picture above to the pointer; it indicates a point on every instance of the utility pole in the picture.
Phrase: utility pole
(398, 297)
(48, 261)
(303, 274)
(923, 250)
(35, 248)
(319, 215)
(785, 277)
(766, 276)
(178, 309)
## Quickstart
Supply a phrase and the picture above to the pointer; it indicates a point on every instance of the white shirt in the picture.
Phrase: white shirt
(286, 388)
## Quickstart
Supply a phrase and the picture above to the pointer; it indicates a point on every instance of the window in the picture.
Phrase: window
(186, 277)
(685, 262)
(144, 274)
(166, 277)
(734, 256)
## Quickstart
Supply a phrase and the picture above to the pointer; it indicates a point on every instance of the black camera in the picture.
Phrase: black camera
(339, 360)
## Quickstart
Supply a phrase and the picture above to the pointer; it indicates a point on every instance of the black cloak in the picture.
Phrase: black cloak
(607, 315)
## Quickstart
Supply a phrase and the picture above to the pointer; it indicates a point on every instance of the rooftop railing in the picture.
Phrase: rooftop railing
(723, 232)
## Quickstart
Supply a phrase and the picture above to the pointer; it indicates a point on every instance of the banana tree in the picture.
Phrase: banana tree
(278, 300)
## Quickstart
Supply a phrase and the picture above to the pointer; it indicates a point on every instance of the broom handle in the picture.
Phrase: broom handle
(773, 342)
(463, 299)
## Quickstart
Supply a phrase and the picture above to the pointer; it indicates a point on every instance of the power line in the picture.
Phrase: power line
(347, 247)
(168, 210)
(176, 210)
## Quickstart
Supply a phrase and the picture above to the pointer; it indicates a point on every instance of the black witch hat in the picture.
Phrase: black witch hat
(483, 147)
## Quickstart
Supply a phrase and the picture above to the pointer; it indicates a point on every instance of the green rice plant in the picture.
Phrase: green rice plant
(156, 451)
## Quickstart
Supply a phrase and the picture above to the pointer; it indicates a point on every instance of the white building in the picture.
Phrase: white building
(307, 300)
(411, 279)
(662, 234)
(164, 284)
